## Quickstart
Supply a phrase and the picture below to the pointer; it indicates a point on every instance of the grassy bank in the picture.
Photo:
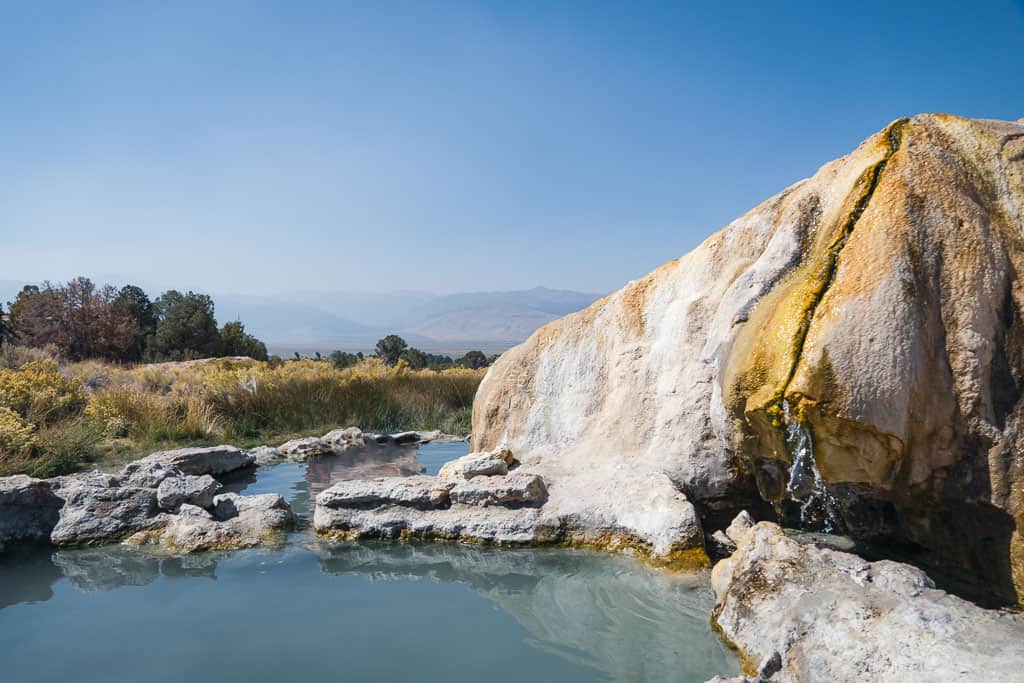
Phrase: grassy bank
(56, 417)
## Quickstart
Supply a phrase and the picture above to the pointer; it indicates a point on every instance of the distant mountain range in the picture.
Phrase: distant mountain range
(309, 320)
(317, 321)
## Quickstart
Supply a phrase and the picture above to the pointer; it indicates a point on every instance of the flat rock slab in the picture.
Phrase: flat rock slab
(198, 461)
(515, 490)
(814, 614)
(421, 492)
(466, 523)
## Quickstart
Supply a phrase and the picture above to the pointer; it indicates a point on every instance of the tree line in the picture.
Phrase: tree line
(392, 349)
(122, 324)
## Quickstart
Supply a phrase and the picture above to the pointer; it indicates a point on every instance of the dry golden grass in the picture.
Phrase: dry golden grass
(103, 410)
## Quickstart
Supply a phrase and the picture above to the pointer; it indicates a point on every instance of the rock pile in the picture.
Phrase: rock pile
(169, 497)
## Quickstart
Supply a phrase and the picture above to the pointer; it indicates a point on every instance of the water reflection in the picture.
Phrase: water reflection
(604, 617)
(604, 612)
(382, 461)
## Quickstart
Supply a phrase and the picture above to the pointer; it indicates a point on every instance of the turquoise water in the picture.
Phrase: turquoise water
(352, 612)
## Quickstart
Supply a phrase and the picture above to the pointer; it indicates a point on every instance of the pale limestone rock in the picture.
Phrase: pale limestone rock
(516, 489)
(880, 299)
(739, 527)
(421, 492)
(487, 464)
(824, 615)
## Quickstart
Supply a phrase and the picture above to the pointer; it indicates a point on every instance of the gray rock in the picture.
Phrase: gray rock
(406, 438)
(198, 491)
(306, 447)
(516, 489)
(94, 513)
(265, 455)
(149, 473)
(418, 492)
(378, 439)
(197, 461)
(496, 525)
(485, 464)
(349, 435)
(28, 510)
(815, 614)
(238, 522)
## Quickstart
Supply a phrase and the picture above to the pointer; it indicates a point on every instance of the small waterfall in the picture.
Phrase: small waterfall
(818, 507)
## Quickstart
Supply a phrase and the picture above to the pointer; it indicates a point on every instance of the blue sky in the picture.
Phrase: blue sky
(447, 146)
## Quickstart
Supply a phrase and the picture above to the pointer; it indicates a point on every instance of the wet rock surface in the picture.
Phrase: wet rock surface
(806, 613)
(28, 510)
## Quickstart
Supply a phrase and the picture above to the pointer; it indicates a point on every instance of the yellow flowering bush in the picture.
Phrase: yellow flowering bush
(40, 393)
(17, 436)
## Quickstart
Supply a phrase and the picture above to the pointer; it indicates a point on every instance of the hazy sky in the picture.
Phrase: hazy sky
(447, 146)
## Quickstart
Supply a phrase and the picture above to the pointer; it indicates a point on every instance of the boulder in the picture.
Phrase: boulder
(198, 491)
(377, 439)
(265, 455)
(811, 614)
(28, 510)
(93, 513)
(213, 460)
(421, 492)
(849, 351)
(307, 447)
(516, 490)
(237, 522)
(485, 464)
(344, 439)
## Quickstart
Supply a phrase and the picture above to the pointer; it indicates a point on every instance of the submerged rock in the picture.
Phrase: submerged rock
(28, 510)
(849, 349)
(804, 613)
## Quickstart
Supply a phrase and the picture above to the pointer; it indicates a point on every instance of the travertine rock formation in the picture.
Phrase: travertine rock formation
(854, 344)
(803, 613)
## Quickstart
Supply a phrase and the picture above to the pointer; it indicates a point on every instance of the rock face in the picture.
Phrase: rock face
(28, 510)
(852, 348)
(802, 613)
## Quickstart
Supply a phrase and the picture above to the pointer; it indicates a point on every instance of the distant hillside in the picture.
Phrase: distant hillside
(504, 317)
(309, 320)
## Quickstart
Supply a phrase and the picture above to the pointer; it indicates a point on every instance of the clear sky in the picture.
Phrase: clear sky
(447, 146)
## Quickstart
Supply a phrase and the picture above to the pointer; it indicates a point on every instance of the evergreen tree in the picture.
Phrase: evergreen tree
(390, 348)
